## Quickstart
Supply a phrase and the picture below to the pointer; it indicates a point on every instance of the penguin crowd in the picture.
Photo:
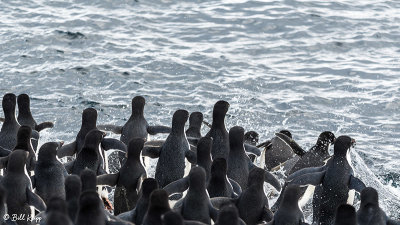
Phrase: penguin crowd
(218, 178)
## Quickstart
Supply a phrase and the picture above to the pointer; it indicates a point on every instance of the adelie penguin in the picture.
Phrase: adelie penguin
(252, 203)
(316, 156)
(345, 215)
(158, 206)
(289, 212)
(239, 164)
(196, 204)
(3, 208)
(137, 214)
(73, 187)
(137, 125)
(89, 118)
(336, 179)
(56, 213)
(89, 156)
(50, 173)
(228, 215)
(174, 218)
(195, 122)
(370, 213)
(8, 132)
(277, 151)
(19, 188)
(171, 155)
(128, 180)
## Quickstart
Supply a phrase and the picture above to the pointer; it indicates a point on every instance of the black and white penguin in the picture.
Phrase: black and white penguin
(73, 187)
(158, 206)
(195, 122)
(345, 215)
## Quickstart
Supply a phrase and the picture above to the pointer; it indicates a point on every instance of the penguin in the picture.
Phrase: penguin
(89, 210)
(315, 157)
(218, 132)
(137, 214)
(25, 116)
(370, 213)
(73, 188)
(89, 156)
(128, 179)
(228, 215)
(24, 143)
(345, 215)
(89, 118)
(195, 122)
(336, 179)
(239, 164)
(289, 211)
(8, 132)
(56, 213)
(277, 151)
(219, 185)
(203, 151)
(157, 207)
(196, 204)
(174, 218)
(88, 180)
(137, 125)
(50, 173)
(171, 163)
(19, 188)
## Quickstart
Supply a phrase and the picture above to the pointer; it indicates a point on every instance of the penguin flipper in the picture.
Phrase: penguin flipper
(158, 129)
(309, 178)
(235, 186)
(356, 184)
(43, 126)
(193, 140)
(191, 156)
(67, 150)
(213, 212)
(292, 144)
(109, 127)
(3, 162)
(151, 151)
(35, 135)
(4, 152)
(207, 124)
(305, 171)
(35, 200)
(177, 186)
(108, 179)
(127, 216)
(392, 222)
(252, 149)
(271, 179)
(218, 202)
(111, 143)
(33, 181)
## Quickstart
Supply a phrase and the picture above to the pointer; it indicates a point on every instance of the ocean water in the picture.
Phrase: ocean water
(307, 66)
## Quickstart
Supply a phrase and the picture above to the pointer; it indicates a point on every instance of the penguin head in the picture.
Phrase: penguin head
(291, 195)
(195, 119)
(135, 146)
(251, 137)
(179, 119)
(138, 103)
(89, 118)
(220, 110)
(197, 178)
(89, 200)
(23, 103)
(236, 136)
(159, 199)
(172, 218)
(345, 215)
(8, 103)
(148, 186)
(57, 204)
(204, 147)
(48, 151)
(219, 167)
(88, 180)
(286, 132)
(327, 138)
(369, 196)
(73, 187)
(228, 214)
(17, 161)
(342, 145)
(256, 177)
(24, 135)
(94, 137)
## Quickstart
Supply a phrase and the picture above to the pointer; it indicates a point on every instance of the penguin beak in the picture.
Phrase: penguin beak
(104, 134)
(61, 143)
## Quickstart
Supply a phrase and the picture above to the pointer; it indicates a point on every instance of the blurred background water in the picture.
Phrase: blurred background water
(307, 66)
